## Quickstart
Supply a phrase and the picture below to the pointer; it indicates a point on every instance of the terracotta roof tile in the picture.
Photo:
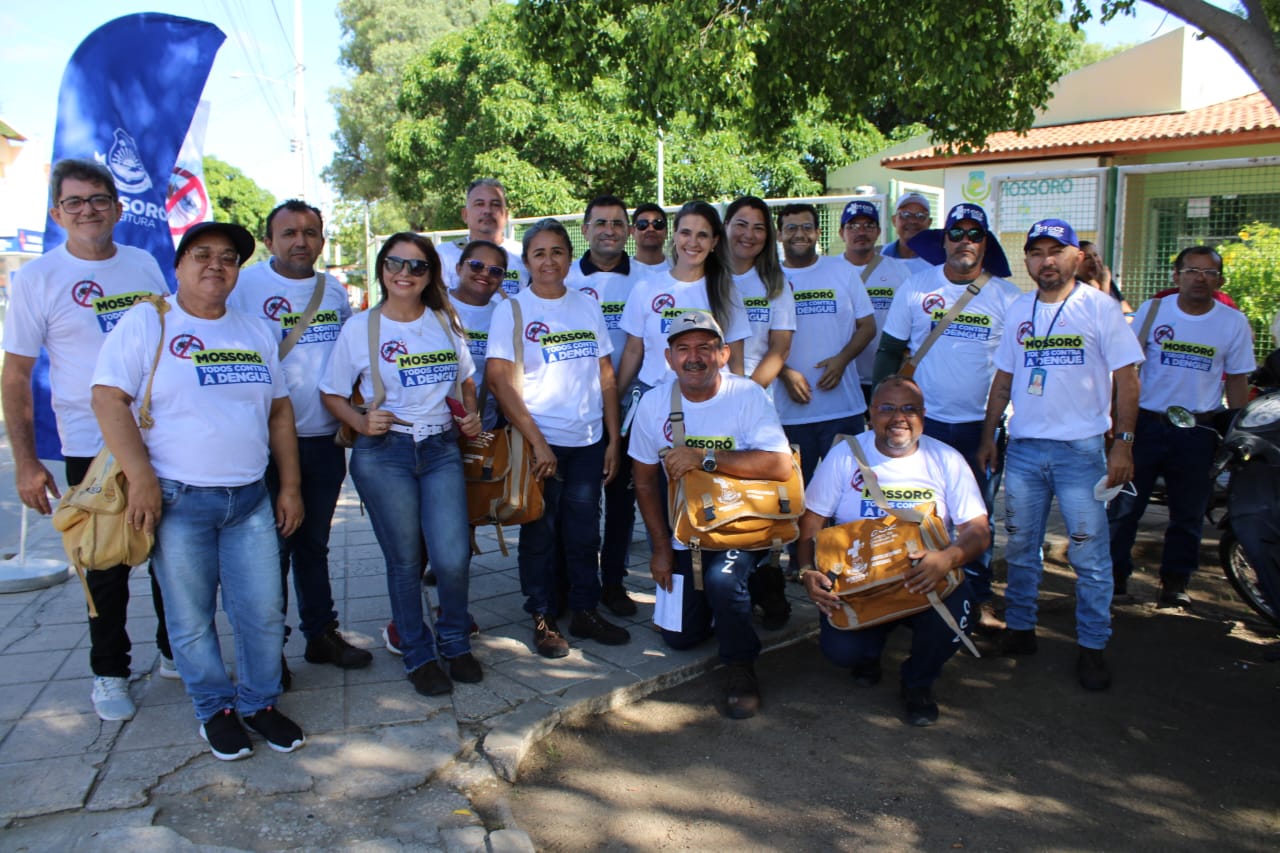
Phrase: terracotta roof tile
(1241, 121)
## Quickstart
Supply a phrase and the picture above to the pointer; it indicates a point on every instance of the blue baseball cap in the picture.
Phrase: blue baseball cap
(859, 208)
(1053, 229)
(930, 244)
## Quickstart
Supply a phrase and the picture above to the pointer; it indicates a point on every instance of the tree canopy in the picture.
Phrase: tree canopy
(236, 197)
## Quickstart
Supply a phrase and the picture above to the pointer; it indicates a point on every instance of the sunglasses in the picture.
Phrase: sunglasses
(477, 267)
(973, 235)
(655, 224)
(393, 265)
(889, 409)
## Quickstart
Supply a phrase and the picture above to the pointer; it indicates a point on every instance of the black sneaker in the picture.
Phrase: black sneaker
(741, 691)
(465, 669)
(1173, 592)
(1091, 668)
(331, 647)
(547, 639)
(1018, 642)
(867, 672)
(589, 625)
(282, 733)
(919, 705)
(614, 596)
(227, 739)
(430, 680)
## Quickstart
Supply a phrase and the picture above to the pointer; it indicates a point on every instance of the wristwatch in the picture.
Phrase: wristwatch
(709, 461)
(1125, 437)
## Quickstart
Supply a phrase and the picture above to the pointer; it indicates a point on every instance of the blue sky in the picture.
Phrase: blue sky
(251, 121)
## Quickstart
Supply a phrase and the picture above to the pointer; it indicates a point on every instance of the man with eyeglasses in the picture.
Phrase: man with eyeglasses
(1068, 346)
(607, 274)
(66, 301)
(905, 462)
(911, 216)
(880, 275)
(818, 395)
(649, 231)
(278, 292)
(955, 371)
(486, 215)
(1190, 343)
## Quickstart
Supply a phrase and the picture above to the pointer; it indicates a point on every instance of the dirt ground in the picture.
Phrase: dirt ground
(1182, 753)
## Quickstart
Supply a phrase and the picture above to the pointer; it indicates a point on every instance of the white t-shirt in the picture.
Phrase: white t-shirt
(419, 364)
(68, 305)
(656, 301)
(738, 417)
(935, 472)
(955, 374)
(1187, 355)
(564, 340)
(279, 302)
(652, 270)
(610, 289)
(916, 264)
(476, 320)
(828, 303)
(1069, 361)
(881, 285)
(517, 276)
(764, 315)
(211, 396)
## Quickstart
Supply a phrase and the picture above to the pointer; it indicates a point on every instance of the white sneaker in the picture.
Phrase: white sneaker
(168, 669)
(111, 698)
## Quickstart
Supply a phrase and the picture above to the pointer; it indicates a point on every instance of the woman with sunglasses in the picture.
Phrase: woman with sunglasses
(405, 463)
(565, 404)
(700, 279)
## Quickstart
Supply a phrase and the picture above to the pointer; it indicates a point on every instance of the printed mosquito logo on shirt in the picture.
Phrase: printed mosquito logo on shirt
(534, 331)
(899, 497)
(758, 310)
(276, 306)
(821, 301)
(111, 308)
(1024, 329)
(391, 350)
(590, 291)
(661, 302)
(1162, 334)
(973, 327)
(84, 292)
(230, 367)
(564, 346)
(185, 345)
(324, 327)
(933, 303)
(427, 368)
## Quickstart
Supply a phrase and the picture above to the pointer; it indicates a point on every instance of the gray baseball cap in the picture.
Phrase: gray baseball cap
(693, 321)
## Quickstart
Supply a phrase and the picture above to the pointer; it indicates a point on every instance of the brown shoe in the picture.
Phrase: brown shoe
(742, 691)
(547, 639)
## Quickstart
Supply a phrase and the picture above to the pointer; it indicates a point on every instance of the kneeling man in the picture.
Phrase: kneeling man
(902, 458)
(731, 427)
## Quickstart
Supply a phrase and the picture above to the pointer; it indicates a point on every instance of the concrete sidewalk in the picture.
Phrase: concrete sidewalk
(70, 781)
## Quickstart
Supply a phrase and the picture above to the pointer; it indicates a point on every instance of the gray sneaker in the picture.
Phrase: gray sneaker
(111, 698)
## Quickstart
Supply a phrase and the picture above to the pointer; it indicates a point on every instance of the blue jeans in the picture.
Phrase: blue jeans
(723, 607)
(568, 534)
(619, 522)
(932, 640)
(966, 438)
(415, 492)
(814, 440)
(324, 467)
(211, 537)
(1185, 458)
(1035, 471)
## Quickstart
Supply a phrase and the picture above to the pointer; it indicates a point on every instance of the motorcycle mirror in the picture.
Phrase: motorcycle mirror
(1180, 417)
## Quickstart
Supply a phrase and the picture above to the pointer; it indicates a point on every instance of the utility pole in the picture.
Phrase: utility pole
(299, 103)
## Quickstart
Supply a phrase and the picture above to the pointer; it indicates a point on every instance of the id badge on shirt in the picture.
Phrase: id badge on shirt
(1039, 376)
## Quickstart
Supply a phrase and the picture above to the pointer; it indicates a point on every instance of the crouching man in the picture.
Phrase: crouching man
(732, 428)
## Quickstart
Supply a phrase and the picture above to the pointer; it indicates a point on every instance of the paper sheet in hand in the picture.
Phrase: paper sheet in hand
(668, 607)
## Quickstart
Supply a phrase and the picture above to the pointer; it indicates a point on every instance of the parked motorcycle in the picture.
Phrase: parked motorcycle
(1249, 547)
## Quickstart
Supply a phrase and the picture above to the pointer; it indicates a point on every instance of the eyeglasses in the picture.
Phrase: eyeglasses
(75, 204)
(909, 409)
(206, 256)
(911, 214)
(655, 224)
(792, 227)
(476, 266)
(862, 226)
(609, 223)
(1211, 275)
(393, 265)
(973, 235)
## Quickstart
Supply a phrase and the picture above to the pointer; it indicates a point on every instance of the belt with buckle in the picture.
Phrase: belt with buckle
(421, 431)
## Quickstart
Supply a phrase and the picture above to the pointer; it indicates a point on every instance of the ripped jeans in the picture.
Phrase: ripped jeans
(1035, 471)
